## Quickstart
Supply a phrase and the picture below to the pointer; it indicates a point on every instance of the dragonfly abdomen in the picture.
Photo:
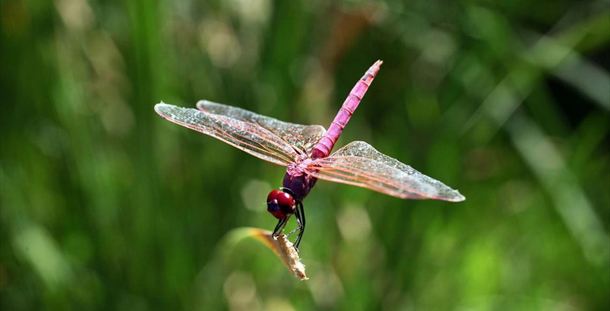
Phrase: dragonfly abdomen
(326, 144)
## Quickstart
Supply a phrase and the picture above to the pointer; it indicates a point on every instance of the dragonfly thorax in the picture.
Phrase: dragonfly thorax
(299, 166)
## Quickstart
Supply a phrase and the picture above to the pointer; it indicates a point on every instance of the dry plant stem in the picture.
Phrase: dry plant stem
(290, 255)
(285, 250)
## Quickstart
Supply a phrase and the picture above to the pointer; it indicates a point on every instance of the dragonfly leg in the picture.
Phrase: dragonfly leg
(297, 214)
(295, 229)
(300, 215)
(280, 226)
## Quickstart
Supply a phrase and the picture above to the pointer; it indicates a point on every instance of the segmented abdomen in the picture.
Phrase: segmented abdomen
(325, 145)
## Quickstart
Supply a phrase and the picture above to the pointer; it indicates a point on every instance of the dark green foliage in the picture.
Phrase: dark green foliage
(106, 206)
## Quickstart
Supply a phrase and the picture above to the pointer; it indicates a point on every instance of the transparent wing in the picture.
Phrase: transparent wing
(249, 137)
(359, 164)
(303, 137)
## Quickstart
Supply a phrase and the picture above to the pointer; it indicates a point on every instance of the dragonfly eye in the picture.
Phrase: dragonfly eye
(273, 195)
(280, 204)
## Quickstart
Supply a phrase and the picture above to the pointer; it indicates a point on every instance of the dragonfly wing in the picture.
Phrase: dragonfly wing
(249, 137)
(359, 164)
(303, 137)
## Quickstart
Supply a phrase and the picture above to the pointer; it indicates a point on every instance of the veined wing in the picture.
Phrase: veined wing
(249, 137)
(359, 164)
(303, 137)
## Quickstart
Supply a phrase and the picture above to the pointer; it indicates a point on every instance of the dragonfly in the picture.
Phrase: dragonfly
(305, 151)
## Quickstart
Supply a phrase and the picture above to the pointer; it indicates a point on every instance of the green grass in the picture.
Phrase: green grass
(106, 206)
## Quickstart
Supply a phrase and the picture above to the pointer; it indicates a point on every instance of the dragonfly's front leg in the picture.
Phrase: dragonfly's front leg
(280, 226)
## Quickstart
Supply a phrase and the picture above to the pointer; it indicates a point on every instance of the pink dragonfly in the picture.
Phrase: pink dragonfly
(305, 151)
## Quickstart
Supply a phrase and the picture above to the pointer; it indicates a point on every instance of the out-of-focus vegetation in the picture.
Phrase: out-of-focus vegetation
(105, 206)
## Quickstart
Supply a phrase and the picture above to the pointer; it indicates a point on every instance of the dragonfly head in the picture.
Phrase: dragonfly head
(280, 204)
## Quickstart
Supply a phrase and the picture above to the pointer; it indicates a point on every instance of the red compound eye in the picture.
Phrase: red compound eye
(285, 199)
(280, 204)
(272, 195)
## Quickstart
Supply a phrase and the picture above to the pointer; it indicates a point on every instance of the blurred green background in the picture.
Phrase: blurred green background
(106, 206)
